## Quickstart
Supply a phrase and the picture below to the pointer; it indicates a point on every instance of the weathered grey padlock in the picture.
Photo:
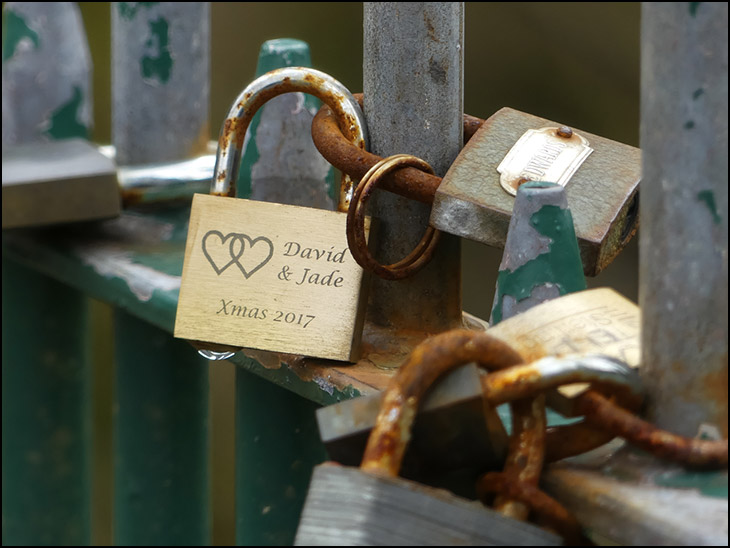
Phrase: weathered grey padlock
(57, 182)
(51, 174)
(601, 178)
(371, 506)
(474, 199)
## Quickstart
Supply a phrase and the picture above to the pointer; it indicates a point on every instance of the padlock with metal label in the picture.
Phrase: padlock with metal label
(474, 199)
(372, 506)
(601, 178)
(263, 275)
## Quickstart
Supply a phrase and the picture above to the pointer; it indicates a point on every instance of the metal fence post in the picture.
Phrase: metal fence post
(46, 498)
(683, 245)
(160, 82)
(413, 99)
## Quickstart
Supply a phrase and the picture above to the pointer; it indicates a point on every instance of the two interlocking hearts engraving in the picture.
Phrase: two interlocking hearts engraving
(254, 252)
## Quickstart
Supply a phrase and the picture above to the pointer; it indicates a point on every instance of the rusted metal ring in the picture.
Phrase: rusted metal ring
(545, 508)
(356, 239)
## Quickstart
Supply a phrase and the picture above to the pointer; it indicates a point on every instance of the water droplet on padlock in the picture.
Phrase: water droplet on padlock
(215, 356)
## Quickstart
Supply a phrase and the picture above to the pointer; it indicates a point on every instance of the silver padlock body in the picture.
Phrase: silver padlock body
(602, 193)
(480, 441)
(348, 507)
(57, 182)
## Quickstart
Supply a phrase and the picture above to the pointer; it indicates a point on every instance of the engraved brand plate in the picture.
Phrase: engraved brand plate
(271, 277)
(543, 155)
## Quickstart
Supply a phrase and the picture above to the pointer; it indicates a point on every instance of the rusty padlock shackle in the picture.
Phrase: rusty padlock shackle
(233, 132)
(277, 82)
(427, 362)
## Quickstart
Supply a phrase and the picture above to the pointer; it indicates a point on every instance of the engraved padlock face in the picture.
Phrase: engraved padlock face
(601, 178)
(272, 276)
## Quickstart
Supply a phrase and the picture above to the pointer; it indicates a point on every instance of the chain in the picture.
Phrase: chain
(607, 407)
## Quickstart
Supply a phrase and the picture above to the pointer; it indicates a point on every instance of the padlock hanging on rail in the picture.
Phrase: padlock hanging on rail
(263, 275)
(372, 506)
(474, 200)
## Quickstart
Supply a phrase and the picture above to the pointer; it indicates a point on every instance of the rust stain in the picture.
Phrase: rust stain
(714, 386)
(132, 196)
(546, 508)
(693, 453)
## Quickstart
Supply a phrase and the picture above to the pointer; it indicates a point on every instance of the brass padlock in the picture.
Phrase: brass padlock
(264, 275)
(372, 506)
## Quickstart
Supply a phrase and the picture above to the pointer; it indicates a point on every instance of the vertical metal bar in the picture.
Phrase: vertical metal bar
(277, 446)
(46, 73)
(45, 379)
(160, 80)
(277, 449)
(160, 83)
(413, 86)
(161, 477)
(46, 411)
(684, 208)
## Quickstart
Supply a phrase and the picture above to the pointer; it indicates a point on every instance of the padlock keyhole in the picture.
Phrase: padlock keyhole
(631, 216)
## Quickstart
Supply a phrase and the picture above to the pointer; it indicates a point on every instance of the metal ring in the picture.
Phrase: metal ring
(356, 239)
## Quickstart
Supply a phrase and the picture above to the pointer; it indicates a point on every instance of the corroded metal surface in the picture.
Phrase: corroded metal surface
(541, 260)
(160, 80)
(413, 104)
(356, 238)
(426, 363)
(471, 202)
(683, 265)
(264, 88)
(548, 510)
(691, 452)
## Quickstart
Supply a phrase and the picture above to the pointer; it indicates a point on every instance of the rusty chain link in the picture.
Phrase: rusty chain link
(523, 386)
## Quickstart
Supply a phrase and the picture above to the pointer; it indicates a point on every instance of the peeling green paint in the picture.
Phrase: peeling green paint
(557, 266)
(693, 8)
(276, 54)
(708, 197)
(128, 10)
(15, 30)
(161, 65)
(710, 484)
(65, 120)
